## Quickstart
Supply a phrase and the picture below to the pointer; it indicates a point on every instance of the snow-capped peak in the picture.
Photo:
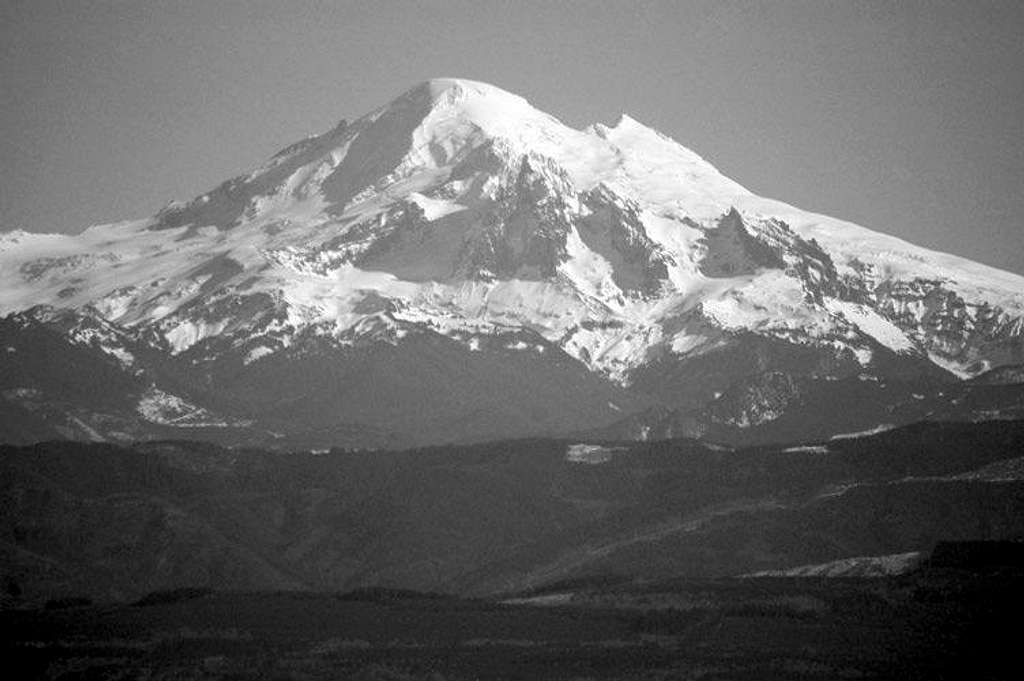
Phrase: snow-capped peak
(447, 118)
(475, 100)
(461, 208)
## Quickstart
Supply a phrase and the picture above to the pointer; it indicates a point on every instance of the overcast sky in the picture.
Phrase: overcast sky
(906, 117)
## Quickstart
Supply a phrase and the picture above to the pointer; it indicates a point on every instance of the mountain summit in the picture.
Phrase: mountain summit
(459, 265)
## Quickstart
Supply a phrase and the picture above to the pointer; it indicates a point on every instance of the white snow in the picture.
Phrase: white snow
(859, 566)
(187, 333)
(591, 454)
(771, 302)
(951, 366)
(163, 408)
(588, 272)
(807, 449)
(873, 324)
(542, 600)
(1006, 470)
(881, 428)
(435, 208)
(125, 358)
(256, 353)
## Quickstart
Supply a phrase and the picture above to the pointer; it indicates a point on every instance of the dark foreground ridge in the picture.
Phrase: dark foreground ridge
(894, 555)
(931, 624)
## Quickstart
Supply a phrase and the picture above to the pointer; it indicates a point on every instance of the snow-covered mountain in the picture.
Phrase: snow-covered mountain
(459, 265)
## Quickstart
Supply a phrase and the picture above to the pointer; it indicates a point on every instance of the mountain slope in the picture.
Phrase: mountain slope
(458, 216)
(503, 516)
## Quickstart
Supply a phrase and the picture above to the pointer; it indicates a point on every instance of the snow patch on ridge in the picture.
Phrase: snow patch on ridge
(590, 273)
(591, 454)
(157, 406)
(185, 334)
(881, 428)
(859, 566)
(256, 353)
(807, 449)
(956, 368)
(872, 324)
(434, 208)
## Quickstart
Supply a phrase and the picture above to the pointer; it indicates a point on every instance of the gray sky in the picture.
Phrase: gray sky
(906, 117)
